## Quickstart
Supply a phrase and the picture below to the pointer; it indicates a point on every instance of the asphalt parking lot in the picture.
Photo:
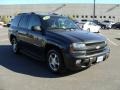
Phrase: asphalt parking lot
(19, 72)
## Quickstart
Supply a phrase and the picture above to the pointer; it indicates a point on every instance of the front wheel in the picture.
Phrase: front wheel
(55, 61)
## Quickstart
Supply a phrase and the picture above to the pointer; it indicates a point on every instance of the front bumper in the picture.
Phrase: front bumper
(86, 60)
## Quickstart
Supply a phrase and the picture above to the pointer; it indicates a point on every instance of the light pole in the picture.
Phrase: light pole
(94, 11)
(58, 8)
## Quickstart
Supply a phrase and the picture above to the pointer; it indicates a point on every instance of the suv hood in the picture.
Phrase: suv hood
(81, 36)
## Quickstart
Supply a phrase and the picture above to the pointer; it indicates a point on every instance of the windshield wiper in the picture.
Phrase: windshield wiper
(55, 28)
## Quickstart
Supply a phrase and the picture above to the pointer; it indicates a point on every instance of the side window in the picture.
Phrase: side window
(15, 21)
(34, 21)
(24, 21)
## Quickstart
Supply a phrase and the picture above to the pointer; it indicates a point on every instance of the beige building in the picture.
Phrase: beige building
(78, 11)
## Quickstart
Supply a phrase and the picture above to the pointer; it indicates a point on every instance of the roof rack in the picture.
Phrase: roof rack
(39, 13)
(21, 13)
(32, 13)
(26, 13)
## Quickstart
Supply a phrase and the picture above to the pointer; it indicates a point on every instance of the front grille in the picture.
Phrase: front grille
(90, 52)
(91, 48)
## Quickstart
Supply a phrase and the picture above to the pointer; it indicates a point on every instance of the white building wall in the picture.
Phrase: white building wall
(103, 11)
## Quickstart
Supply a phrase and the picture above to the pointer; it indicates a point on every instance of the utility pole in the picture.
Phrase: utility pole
(94, 11)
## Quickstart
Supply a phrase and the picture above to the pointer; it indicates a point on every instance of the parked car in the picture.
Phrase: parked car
(83, 21)
(78, 23)
(91, 27)
(116, 25)
(57, 40)
(100, 24)
(108, 24)
(1, 24)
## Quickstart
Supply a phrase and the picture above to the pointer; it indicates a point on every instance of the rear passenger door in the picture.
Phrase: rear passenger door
(23, 31)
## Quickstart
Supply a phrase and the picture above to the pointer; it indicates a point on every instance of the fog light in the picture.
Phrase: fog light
(78, 62)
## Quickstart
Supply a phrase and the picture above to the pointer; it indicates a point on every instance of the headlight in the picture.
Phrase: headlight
(77, 46)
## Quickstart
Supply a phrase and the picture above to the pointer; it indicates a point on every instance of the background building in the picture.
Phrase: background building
(77, 11)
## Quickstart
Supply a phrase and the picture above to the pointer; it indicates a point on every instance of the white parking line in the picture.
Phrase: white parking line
(112, 42)
(115, 44)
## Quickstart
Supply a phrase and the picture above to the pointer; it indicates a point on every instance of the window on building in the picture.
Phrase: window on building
(73, 16)
(100, 16)
(95, 16)
(91, 16)
(104, 16)
(113, 16)
(77, 16)
(86, 16)
(109, 16)
(82, 16)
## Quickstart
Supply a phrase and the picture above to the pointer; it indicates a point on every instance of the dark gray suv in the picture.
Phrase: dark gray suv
(57, 40)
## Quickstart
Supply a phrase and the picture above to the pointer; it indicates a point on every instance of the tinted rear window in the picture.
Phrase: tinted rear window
(16, 20)
(24, 21)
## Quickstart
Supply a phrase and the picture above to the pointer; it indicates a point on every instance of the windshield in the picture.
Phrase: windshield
(55, 22)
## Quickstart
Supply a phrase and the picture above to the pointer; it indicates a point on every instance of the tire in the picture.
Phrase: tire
(15, 48)
(103, 27)
(88, 29)
(55, 61)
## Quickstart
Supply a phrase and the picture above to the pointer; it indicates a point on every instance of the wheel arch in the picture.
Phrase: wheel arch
(11, 37)
(52, 46)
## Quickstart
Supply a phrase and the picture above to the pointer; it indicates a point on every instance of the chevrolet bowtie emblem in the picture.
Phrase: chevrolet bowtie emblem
(97, 47)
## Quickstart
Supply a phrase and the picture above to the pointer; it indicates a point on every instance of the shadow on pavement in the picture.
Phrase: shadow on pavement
(25, 65)
(117, 38)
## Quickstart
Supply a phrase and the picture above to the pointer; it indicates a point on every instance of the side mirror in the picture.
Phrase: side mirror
(36, 28)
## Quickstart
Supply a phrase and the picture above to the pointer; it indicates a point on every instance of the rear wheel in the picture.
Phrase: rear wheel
(15, 46)
(55, 61)
(88, 29)
(103, 27)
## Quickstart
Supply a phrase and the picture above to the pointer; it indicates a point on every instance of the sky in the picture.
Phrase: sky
(57, 1)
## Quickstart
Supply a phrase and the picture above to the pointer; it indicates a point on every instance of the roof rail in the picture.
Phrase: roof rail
(32, 12)
(21, 13)
(26, 13)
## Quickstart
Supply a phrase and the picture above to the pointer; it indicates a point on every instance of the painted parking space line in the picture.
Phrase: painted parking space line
(113, 43)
